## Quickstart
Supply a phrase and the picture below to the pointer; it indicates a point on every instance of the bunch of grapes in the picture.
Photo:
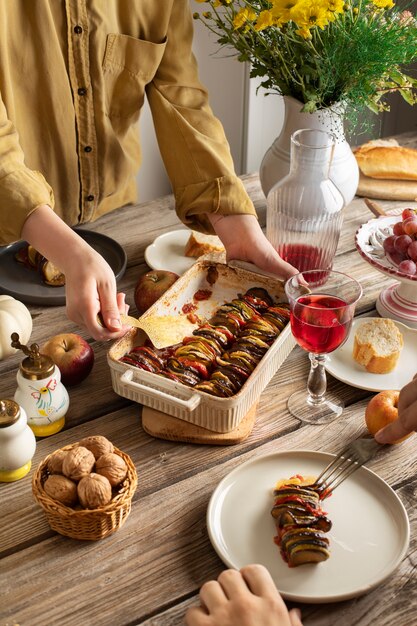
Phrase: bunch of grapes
(401, 247)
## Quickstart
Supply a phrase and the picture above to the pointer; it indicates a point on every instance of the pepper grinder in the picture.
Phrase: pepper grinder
(40, 391)
(17, 442)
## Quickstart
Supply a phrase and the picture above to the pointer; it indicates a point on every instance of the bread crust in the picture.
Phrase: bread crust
(199, 244)
(387, 162)
(365, 347)
(365, 355)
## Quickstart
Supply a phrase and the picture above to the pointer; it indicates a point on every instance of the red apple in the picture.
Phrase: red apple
(151, 286)
(382, 409)
(73, 356)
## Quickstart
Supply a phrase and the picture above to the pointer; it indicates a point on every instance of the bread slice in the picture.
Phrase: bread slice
(385, 159)
(377, 345)
(199, 244)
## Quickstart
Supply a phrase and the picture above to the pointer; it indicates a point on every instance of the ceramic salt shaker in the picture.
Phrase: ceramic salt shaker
(17, 442)
(40, 391)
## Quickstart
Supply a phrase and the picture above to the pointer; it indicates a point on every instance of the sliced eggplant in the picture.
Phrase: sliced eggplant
(307, 553)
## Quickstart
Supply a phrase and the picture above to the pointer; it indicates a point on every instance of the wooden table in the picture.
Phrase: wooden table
(149, 572)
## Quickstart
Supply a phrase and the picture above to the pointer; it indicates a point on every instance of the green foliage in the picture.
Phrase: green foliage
(321, 52)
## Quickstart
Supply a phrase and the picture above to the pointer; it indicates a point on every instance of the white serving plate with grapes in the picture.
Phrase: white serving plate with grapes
(399, 301)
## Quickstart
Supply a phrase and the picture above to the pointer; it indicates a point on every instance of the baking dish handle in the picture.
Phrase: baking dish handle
(251, 267)
(191, 404)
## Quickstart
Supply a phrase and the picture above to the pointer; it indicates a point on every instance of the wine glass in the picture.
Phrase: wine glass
(322, 304)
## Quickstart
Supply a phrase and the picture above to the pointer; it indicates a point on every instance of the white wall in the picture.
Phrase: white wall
(265, 116)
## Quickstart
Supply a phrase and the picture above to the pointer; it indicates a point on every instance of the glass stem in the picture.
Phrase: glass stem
(316, 383)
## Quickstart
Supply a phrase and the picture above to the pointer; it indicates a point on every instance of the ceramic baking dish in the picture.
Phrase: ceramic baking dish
(200, 408)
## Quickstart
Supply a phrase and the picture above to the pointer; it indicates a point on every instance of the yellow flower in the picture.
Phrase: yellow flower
(264, 20)
(335, 8)
(304, 33)
(309, 13)
(281, 11)
(383, 4)
(243, 16)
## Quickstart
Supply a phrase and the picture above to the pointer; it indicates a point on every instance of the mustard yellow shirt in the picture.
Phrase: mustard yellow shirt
(73, 78)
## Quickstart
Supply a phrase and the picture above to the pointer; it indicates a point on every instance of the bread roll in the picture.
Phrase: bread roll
(387, 160)
(199, 244)
(377, 345)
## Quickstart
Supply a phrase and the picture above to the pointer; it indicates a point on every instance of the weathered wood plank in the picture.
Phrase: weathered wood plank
(163, 551)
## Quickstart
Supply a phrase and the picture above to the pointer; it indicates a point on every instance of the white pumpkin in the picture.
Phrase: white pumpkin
(14, 318)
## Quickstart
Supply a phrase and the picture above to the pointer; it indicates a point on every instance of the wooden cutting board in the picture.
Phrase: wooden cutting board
(163, 426)
(387, 189)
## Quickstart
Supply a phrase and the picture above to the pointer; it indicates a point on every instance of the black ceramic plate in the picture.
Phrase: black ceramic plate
(25, 283)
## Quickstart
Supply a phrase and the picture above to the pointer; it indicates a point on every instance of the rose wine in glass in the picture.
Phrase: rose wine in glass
(322, 304)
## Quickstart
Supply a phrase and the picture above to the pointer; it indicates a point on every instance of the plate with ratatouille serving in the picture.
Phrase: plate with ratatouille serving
(22, 274)
(343, 366)
(361, 551)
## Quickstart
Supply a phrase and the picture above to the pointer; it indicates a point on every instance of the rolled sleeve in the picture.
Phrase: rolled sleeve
(21, 192)
(191, 139)
(225, 195)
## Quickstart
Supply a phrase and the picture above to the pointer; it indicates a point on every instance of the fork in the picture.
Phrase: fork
(351, 458)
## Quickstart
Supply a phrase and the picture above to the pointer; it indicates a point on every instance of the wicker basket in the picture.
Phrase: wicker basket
(86, 524)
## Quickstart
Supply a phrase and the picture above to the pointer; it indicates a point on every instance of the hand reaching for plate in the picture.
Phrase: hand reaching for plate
(242, 598)
(244, 240)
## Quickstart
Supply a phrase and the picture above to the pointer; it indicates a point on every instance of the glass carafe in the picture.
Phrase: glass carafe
(305, 209)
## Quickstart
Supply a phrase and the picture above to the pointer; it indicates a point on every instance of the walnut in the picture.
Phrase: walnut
(61, 488)
(97, 444)
(113, 467)
(94, 491)
(55, 461)
(78, 462)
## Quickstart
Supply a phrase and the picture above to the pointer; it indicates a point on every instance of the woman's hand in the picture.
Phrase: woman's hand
(243, 239)
(242, 598)
(91, 289)
(90, 284)
(407, 415)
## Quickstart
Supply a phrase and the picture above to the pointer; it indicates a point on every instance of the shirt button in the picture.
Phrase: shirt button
(82, 91)
(78, 30)
(88, 149)
(90, 198)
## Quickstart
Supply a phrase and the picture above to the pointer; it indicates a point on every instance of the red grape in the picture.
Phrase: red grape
(389, 243)
(397, 257)
(398, 228)
(410, 225)
(408, 267)
(412, 250)
(401, 243)
(408, 213)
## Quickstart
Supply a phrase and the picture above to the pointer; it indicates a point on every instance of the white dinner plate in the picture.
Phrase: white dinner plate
(368, 539)
(167, 252)
(343, 366)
